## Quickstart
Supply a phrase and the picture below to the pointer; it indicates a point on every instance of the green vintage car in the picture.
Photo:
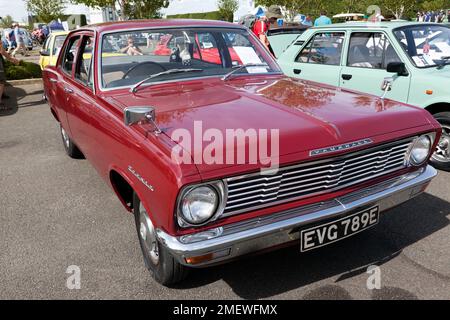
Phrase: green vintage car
(403, 61)
(282, 37)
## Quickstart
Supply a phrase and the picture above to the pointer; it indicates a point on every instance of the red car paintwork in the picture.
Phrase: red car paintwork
(308, 115)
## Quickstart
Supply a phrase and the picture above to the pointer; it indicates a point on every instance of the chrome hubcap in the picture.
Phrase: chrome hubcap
(148, 235)
(442, 153)
(65, 137)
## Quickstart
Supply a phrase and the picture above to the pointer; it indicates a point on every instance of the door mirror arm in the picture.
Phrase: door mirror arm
(386, 86)
(133, 115)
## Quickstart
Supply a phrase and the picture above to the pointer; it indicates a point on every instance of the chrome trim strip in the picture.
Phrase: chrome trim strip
(268, 231)
(190, 79)
(100, 46)
(344, 146)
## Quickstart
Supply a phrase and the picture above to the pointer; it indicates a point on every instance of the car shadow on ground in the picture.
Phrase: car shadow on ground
(17, 100)
(273, 273)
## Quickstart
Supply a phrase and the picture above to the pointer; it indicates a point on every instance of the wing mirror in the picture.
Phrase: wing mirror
(133, 115)
(399, 68)
(386, 86)
(44, 53)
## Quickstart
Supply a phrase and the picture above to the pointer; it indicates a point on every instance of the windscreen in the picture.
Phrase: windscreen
(131, 56)
(427, 45)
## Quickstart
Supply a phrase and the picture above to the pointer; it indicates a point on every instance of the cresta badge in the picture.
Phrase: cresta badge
(340, 147)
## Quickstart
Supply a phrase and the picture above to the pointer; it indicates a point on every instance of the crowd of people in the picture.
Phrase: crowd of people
(272, 18)
(16, 41)
(432, 16)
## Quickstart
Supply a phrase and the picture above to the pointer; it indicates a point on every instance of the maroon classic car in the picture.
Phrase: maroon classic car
(218, 159)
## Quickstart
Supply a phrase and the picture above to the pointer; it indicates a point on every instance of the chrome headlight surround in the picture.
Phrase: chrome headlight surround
(420, 150)
(216, 186)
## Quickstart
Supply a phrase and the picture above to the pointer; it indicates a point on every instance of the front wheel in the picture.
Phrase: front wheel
(163, 266)
(441, 157)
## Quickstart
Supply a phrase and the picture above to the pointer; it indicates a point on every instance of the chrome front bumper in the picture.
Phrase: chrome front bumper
(230, 241)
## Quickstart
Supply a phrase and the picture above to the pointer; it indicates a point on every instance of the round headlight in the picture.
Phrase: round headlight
(420, 150)
(199, 204)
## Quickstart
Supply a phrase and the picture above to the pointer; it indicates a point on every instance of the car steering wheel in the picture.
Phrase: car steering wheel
(143, 64)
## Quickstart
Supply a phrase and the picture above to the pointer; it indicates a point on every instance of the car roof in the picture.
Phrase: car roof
(375, 25)
(155, 23)
(59, 33)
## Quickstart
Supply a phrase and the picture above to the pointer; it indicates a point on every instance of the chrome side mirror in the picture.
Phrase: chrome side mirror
(133, 115)
(386, 86)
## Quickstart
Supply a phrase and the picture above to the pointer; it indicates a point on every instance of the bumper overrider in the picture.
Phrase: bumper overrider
(228, 242)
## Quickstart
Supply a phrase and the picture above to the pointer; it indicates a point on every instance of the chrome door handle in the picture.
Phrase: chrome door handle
(53, 80)
(68, 90)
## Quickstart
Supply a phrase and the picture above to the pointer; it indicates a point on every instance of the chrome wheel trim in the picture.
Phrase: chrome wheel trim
(147, 234)
(442, 153)
(66, 138)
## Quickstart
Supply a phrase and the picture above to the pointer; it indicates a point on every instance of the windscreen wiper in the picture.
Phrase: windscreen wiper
(170, 71)
(443, 62)
(238, 68)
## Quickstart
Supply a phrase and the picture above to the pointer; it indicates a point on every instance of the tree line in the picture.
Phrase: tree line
(388, 8)
(48, 10)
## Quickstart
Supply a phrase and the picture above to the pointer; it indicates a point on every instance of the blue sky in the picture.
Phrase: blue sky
(14, 8)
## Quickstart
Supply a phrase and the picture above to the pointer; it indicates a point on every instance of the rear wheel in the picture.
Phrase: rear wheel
(163, 266)
(71, 149)
(441, 157)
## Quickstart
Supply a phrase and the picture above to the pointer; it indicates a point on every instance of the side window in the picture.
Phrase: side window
(242, 51)
(69, 54)
(323, 48)
(58, 43)
(370, 50)
(46, 46)
(84, 65)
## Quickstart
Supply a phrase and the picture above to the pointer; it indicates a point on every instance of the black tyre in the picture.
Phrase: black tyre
(70, 147)
(441, 157)
(162, 265)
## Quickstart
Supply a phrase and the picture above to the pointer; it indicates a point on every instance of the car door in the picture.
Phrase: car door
(320, 59)
(367, 56)
(60, 81)
(81, 97)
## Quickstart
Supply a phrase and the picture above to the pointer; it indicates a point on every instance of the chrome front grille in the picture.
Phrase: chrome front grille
(254, 191)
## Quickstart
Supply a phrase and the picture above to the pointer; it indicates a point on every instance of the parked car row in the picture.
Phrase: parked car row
(26, 35)
(339, 158)
(406, 62)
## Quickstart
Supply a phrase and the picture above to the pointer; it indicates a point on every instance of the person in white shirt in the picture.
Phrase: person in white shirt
(20, 42)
